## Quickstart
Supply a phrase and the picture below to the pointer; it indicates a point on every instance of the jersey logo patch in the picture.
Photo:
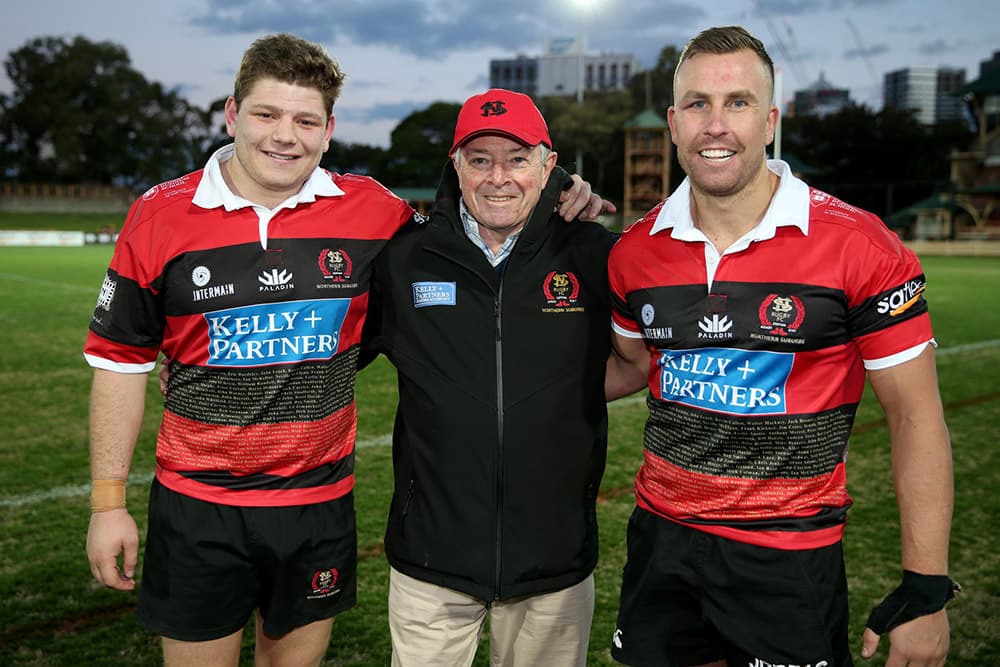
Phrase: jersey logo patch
(429, 293)
(562, 291)
(733, 381)
(335, 264)
(275, 333)
(781, 315)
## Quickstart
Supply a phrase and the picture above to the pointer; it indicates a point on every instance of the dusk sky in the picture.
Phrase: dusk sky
(401, 55)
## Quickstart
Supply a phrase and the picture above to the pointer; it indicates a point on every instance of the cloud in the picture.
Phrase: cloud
(391, 111)
(433, 29)
(870, 51)
(787, 7)
(935, 48)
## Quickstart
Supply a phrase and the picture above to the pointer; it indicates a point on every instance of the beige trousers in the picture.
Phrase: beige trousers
(434, 625)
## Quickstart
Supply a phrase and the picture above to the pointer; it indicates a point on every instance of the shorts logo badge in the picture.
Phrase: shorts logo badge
(335, 264)
(324, 583)
(561, 289)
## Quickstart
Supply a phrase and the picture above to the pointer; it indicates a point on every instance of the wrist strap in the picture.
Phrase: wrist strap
(918, 595)
(107, 494)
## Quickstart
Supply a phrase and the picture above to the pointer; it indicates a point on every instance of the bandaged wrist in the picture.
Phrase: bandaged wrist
(918, 595)
(107, 494)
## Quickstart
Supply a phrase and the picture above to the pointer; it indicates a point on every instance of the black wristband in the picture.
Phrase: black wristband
(918, 595)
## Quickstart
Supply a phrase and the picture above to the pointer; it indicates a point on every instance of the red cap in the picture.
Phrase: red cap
(504, 112)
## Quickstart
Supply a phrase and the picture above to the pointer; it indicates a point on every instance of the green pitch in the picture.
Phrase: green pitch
(54, 614)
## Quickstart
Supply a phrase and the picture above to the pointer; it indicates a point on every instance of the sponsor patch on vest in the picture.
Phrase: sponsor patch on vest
(434, 294)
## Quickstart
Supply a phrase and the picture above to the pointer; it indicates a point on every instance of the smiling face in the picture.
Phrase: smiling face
(501, 181)
(722, 120)
(281, 131)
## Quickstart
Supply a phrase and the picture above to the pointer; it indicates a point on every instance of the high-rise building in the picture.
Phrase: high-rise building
(557, 71)
(929, 91)
(821, 98)
(991, 68)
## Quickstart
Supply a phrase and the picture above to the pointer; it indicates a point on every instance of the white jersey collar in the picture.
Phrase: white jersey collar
(789, 207)
(213, 192)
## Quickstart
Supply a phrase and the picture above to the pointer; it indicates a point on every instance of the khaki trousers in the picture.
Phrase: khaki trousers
(434, 625)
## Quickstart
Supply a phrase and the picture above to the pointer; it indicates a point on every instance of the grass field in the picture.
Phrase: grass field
(55, 614)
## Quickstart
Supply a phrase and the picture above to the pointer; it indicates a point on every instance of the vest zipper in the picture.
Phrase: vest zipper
(497, 302)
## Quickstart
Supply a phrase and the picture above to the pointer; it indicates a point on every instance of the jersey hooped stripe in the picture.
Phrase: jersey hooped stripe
(754, 382)
(263, 341)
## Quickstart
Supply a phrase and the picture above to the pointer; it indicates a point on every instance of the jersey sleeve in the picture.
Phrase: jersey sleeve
(126, 328)
(623, 322)
(887, 311)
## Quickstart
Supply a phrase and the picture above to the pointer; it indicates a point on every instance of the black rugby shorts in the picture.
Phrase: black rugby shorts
(206, 567)
(689, 598)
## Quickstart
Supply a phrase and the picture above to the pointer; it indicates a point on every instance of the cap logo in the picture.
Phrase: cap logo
(495, 108)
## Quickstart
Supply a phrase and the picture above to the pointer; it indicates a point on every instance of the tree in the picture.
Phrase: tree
(346, 158)
(654, 88)
(80, 113)
(880, 161)
(598, 128)
(418, 148)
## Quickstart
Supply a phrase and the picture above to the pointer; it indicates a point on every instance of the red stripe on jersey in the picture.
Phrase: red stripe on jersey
(683, 494)
(283, 450)
(254, 497)
(103, 348)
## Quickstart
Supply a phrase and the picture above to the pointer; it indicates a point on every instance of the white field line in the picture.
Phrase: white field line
(93, 289)
(76, 490)
(384, 440)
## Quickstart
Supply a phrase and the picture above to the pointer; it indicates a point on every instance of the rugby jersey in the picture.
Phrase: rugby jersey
(758, 358)
(260, 312)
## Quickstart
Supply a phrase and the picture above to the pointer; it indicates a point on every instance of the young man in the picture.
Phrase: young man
(495, 313)
(757, 305)
(252, 276)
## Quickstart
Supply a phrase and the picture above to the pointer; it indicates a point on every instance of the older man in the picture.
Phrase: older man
(495, 313)
(252, 510)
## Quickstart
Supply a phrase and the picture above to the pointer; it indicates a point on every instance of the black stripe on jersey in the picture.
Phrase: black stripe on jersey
(824, 518)
(236, 272)
(769, 447)
(687, 311)
(881, 311)
(287, 393)
(323, 475)
(130, 315)
(620, 306)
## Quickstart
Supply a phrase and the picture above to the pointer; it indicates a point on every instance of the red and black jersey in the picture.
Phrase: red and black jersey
(262, 323)
(756, 371)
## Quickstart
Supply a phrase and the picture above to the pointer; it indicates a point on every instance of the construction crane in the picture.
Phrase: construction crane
(863, 52)
(790, 56)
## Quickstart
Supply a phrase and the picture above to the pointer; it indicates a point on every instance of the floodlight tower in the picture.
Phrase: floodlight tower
(583, 9)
